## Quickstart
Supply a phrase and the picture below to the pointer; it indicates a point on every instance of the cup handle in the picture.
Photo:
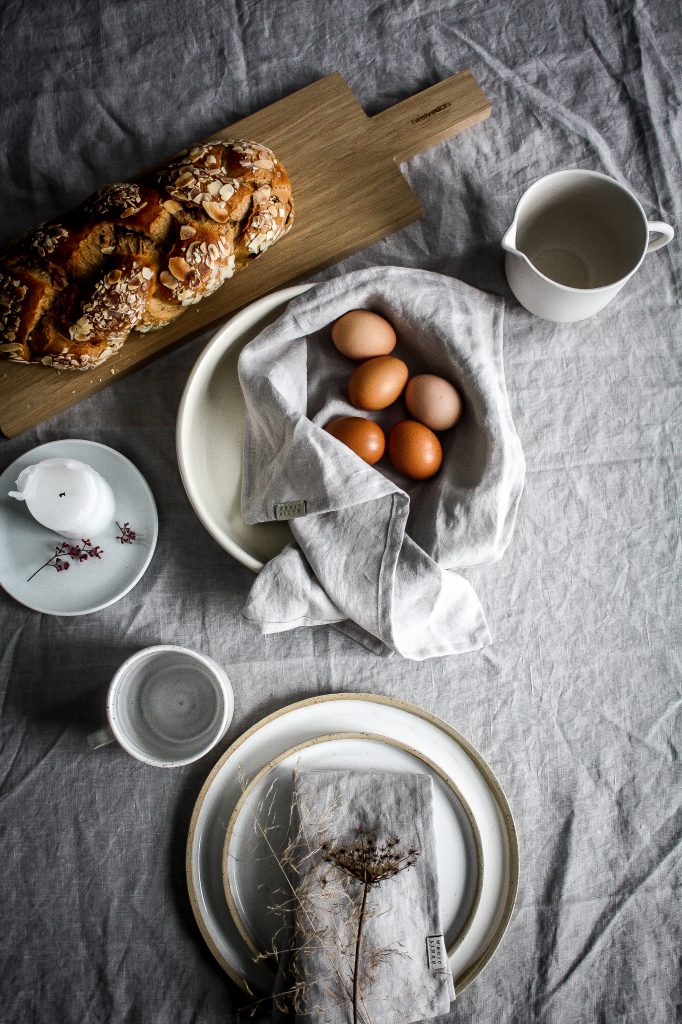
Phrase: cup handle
(664, 230)
(101, 737)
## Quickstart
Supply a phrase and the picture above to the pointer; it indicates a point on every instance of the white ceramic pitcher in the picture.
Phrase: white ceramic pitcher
(577, 237)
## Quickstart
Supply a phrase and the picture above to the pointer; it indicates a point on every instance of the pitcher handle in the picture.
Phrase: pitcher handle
(664, 230)
(100, 738)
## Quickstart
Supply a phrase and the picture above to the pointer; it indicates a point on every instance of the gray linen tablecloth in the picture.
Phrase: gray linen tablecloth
(576, 704)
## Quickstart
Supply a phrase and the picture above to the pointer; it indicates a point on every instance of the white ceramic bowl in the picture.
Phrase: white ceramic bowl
(210, 434)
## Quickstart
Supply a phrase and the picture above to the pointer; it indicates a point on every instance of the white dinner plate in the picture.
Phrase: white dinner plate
(340, 713)
(210, 434)
(90, 585)
(258, 832)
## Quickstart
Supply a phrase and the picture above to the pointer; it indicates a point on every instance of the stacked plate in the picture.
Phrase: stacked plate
(233, 864)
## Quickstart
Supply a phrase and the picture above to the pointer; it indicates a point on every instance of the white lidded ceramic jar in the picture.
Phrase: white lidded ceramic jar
(576, 238)
(67, 497)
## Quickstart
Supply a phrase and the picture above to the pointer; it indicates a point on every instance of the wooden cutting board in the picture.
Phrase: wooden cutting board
(348, 193)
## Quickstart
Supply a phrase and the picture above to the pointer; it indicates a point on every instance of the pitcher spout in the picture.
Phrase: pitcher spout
(509, 239)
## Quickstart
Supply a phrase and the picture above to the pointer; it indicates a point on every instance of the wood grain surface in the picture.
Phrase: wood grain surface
(348, 193)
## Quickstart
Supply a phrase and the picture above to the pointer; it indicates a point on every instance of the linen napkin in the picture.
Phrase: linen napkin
(403, 973)
(374, 552)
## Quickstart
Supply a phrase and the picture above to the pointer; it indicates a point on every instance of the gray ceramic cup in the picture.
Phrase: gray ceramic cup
(167, 706)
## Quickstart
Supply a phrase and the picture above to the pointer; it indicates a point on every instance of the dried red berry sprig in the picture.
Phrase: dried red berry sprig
(76, 552)
(126, 536)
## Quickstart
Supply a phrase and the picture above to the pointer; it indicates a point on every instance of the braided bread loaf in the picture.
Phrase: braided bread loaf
(134, 256)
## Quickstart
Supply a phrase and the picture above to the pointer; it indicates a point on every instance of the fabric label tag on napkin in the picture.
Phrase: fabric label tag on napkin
(436, 954)
(289, 509)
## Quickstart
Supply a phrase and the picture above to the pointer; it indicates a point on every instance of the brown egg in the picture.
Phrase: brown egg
(361, 334)
(377, 383)
(414, 450)
(362, 436)
(434, 401)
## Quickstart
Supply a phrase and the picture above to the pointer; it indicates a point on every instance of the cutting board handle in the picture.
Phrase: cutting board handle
(430, 116)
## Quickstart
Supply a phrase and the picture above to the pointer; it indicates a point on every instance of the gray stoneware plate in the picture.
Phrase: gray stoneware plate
(394, 721)
(259, 828)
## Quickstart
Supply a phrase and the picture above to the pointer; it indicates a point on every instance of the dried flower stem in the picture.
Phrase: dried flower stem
(358, 945)
(371, 863)
(329, 911)
(301, 902)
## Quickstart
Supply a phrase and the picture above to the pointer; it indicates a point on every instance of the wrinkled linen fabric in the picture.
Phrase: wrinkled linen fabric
(397, 984)
(576, 705)
(367, 550)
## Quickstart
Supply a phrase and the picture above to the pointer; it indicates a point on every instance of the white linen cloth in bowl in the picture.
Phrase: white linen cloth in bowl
(374, 552)
(398, 983)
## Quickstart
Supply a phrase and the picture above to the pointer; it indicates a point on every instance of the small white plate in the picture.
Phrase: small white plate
(210, 435)
(93, 584)
(252, 874)
(341, 713)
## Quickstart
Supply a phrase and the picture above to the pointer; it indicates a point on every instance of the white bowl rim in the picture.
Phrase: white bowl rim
(254, 310)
